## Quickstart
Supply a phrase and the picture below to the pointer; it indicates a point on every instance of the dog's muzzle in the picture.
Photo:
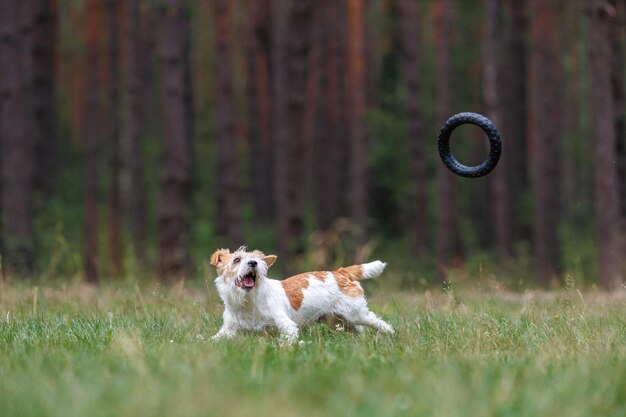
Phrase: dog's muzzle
(247, 281)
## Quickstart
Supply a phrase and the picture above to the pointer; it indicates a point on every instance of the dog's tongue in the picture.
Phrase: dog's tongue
(247, 282)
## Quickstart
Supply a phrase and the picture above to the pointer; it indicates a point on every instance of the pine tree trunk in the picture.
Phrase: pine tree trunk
(446, 227)
(136, 61)
(177, 162)
(92, 123)
(327, 144)
(115, 233)
(499, 179)
(356, 91)
(17, 138)
(546, 131)
(617, 36)
(312, 95)
(410, 40)
(605, 182)
(514, 102)
(332, 148)
(227, 185)
(290, 43)
(46, 142)
(298, 151)
(259, 109)
(280, 13)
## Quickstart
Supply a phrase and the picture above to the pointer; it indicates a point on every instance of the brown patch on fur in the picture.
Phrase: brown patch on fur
(293, 288)
(294, 285)
(348, 280)
(319, 275)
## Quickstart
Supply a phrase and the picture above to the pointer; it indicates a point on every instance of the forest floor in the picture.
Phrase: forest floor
(120, 350)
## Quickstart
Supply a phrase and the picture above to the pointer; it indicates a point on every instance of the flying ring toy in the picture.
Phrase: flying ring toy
(443, 144)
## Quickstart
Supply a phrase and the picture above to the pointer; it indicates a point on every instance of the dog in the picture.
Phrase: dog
(254, 302)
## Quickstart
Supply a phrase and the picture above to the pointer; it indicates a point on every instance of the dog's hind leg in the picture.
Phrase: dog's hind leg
(355, 312)
(367, 318)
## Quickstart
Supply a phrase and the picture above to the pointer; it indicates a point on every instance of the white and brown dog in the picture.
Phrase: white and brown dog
(254, 302)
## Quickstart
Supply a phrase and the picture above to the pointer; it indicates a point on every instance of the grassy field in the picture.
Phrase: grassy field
(124, 351)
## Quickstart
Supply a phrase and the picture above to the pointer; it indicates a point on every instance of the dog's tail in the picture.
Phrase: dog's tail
(363, 271)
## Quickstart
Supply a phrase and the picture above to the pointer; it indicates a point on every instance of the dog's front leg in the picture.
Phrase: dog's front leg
(288, 329)
(228, 331)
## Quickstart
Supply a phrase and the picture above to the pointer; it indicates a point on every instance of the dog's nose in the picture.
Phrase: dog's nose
(252, 263)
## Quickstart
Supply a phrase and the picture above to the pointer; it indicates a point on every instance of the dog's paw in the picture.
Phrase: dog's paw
(288, 339)
(224, 334)
(386, 328)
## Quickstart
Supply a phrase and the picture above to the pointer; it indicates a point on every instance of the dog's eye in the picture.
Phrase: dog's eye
(236, 260)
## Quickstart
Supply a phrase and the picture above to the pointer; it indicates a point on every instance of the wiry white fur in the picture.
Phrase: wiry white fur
(267, 304)
(373, 269)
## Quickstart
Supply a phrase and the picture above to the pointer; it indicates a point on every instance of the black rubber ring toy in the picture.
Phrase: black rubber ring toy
(443, 144)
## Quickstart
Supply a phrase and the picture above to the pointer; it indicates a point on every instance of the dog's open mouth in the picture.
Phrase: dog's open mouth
(247, 281)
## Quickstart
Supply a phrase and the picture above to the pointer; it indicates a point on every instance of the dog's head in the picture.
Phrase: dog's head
(242, 269)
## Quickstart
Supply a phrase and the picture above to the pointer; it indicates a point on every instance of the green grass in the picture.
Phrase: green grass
(124, 351)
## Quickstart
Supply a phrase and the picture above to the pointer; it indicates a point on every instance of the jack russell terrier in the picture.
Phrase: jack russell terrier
(254, 302)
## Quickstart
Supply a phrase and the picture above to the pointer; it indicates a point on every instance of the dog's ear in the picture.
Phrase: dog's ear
(269, 260)
(219, 256)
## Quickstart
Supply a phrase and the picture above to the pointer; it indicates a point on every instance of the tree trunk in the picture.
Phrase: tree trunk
(136, 61)
(43, 107)
(280, 13)
(493, 109)
(116, 249)
(356, 91)
(514, 115)
(414, 120)
(446, 227)
(17, 136)
(92, 113)
(227, 184)
(605, 182)
(328, 139)
(312, 95)
(546, 130)
(290, 42)
(177, 161)
(617, 35)
(378, 44)
(323, 147)
(297, 76)
(331, 148)
(259, 109)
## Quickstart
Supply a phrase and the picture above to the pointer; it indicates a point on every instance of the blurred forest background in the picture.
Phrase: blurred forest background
(137, 136)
